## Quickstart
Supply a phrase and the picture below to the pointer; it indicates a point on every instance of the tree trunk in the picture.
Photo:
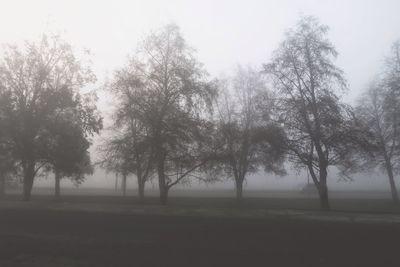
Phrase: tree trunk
(321, 186)
(395, 196)
(323, 189)
(29, 175)
(163, 188)
(323, 197)
(57, 190)
(116, 182)
(141, 188)
(164, 195)
(141, 181)
(393, 189)
(162, 184)
(124, 185)
(239, 189)
(2, 185)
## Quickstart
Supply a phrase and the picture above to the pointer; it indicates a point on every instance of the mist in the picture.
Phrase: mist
(224, 33)
(199, 133)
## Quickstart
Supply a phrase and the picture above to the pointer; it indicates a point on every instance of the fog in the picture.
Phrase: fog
(225, 33)
(199, 133)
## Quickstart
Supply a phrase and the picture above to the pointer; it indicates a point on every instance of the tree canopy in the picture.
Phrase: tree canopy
(320, 127)
(246, 136)
(165, 99)
(40, 83)
(379, 108)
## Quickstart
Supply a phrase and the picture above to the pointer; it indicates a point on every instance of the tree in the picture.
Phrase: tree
(247, 137)
(128, 148)
(66, 145)
(321, 130)
(379, 108)
(32, 80)
(123, 156)
(170, 104)
(7, 159)
(7, 165)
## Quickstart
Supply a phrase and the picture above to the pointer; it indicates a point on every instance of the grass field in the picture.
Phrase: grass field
(99, 229)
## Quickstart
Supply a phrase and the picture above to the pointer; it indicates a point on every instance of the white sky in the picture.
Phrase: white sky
(224, 32)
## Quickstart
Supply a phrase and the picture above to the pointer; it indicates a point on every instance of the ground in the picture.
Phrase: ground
(111, 231)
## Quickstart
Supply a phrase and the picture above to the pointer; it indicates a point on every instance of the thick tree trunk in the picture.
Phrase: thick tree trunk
(2, 185)
(323, 197)
(323, 190)
(141, 188)
(164, 195)
(29, 175)
(163, 188)
(124, 185)
(57, 189)
(395, 196)
(239, 189)
(321, 186)
(393, 188)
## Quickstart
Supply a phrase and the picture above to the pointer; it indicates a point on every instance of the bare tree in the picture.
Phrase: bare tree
(379, 108)
(128, 148)
(115, 159)
(171, 105)
(321, 130)
(247, 137)
(125, 155)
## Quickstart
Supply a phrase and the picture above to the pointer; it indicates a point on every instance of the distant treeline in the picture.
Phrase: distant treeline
(174, 123)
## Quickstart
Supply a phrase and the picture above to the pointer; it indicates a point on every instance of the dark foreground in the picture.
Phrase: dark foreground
(78, 238)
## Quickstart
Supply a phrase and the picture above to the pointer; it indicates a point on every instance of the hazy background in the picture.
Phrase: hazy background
(225, 33)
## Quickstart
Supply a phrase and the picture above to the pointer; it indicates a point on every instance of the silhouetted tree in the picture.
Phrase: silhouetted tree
(170, 103)
(32, 80)
(122, 157)
(7, 159)
(7, 165)
(379, 108)
(247, 137)
(66, 145)
(128, 149)
(321, 130)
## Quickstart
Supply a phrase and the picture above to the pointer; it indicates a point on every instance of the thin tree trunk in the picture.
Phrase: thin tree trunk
(116, 181)
(29, 175)
(124, 185)
(141, 181)
(163, 187)
(2, 185)
(57, 188)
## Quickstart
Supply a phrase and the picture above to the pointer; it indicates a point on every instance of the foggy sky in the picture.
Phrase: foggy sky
(225, 33)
